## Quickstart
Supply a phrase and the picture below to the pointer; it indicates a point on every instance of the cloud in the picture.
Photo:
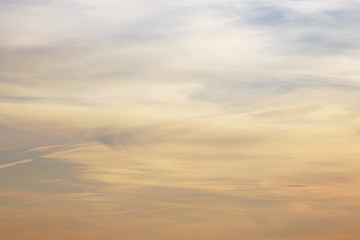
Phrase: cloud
(250, 107)
(44, 148)
(15, 163)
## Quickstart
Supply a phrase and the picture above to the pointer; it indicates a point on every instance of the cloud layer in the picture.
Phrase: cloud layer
(179, 120)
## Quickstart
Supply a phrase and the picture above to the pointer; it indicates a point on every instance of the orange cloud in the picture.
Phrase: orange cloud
(15, 163)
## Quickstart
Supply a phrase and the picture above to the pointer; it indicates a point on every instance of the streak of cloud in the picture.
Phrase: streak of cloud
(15, 163)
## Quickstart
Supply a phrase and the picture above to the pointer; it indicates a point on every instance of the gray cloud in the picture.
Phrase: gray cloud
(230, 90)
(120, 140)
(274, 16)
(317, 44)
(323, 32)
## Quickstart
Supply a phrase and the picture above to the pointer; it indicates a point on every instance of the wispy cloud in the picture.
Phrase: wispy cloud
(15, 163)
(252, 105)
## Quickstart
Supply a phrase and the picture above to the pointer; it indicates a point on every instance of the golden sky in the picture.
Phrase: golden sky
(196, 120)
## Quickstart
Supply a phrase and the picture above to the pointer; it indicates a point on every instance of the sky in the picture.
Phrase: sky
(196, 120)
